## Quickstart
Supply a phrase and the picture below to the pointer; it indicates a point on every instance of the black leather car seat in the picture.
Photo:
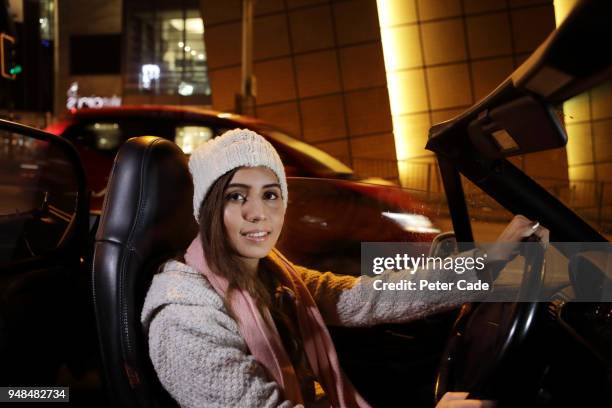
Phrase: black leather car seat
(147, 218)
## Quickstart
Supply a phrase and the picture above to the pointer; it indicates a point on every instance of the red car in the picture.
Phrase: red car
(98, 134)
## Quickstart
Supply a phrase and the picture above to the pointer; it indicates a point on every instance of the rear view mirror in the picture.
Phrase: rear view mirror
(42, 188)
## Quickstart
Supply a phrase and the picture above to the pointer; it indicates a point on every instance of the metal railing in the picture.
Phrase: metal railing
(415, 174)
(169, 82)
(591, 199)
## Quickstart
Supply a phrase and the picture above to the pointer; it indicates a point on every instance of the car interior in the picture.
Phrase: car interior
(131, 245)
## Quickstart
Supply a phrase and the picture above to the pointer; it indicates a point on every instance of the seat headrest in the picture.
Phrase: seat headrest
(148, 201)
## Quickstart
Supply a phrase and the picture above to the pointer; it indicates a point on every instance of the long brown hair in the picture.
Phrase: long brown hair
(221, 257)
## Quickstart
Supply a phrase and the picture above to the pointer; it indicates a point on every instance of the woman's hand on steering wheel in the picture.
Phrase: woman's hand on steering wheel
(458, 400)
(506, 246)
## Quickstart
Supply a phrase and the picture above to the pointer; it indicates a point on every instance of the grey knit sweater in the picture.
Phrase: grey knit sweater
(201, 358)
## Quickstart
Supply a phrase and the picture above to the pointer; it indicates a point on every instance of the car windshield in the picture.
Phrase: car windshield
(579, 174)
(586, 184)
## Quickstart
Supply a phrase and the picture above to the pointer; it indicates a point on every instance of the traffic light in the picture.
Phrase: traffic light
(9, 66)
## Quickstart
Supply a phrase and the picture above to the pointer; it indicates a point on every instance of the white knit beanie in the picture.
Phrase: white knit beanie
(235, 148)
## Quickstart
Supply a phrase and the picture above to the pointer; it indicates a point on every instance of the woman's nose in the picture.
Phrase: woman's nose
(254, 210)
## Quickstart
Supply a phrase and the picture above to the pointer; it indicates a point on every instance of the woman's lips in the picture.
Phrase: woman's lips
(256, 236)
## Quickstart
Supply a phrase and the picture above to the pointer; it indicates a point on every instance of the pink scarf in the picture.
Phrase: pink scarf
(265, 343)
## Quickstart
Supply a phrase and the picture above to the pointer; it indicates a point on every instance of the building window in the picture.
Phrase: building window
(46, 20)
(165, 52)
(190, 137)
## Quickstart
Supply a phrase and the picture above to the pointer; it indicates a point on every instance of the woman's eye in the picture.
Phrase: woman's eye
(270, 195)
(235, 196)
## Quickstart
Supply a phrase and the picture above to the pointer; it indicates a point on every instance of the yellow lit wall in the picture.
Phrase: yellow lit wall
(442, 56)
(562, 9)
(406, 83)
(588, 122)
(577, 114)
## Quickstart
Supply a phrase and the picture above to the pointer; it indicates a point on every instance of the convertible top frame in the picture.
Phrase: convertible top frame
(459, 143)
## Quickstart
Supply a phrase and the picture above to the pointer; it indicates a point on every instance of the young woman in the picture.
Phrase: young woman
(237, 324)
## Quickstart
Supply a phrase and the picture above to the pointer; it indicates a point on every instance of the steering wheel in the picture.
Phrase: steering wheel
(485, 334)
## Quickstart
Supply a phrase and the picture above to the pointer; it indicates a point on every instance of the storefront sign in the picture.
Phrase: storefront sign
(75, 101)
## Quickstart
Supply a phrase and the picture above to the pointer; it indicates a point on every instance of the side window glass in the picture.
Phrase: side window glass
(190, 137)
